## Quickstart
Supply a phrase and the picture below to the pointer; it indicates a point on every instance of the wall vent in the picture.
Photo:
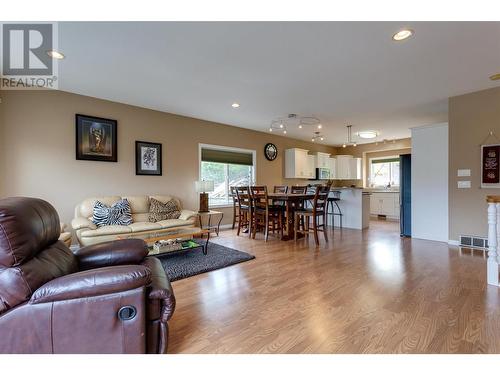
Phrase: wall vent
(474, 242)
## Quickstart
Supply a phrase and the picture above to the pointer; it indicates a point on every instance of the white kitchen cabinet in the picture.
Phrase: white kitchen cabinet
(385, 203)
(322, 160)
(332, 163)
(343, 166)
(355, 169)
(311, 166)
(348, 167)
(297, 163)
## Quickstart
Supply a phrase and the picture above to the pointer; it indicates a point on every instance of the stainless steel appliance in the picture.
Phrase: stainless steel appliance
(322, 173)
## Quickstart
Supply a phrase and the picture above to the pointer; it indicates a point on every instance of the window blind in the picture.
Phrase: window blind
(228, 157)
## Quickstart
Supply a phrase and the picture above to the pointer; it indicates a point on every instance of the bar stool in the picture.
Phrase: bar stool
(332, 203)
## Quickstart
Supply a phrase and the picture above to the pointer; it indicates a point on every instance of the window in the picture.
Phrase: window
(384, 172)
(226, 166)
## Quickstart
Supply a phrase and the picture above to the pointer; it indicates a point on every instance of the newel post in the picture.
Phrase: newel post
(493, 239)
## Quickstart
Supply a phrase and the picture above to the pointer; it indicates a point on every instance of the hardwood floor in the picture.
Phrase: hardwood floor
(363, 292)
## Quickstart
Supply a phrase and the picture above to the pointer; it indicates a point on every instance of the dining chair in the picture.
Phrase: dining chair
(264, 215)
(234, 195)
(282, 189)
(244, 209)
(298, 190)
(318, 210)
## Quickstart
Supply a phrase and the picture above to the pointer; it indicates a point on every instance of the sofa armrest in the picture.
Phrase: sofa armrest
(187, 215)
(112, 253)
(93, 283)
(82, 223)
(160, 293)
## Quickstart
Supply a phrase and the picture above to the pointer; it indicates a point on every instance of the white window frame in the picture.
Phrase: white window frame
(226, 148)
(369, 177)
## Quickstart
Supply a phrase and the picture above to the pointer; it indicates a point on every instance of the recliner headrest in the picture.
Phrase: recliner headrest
(27, 226)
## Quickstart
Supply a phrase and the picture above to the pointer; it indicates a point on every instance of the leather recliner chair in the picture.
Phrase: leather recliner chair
(105, 298)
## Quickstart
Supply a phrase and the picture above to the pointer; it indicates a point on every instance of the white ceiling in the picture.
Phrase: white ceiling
(341, 72)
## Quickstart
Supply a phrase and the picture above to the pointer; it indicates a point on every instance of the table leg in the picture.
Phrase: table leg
(205, 247)
(220, 221)
(289, 221)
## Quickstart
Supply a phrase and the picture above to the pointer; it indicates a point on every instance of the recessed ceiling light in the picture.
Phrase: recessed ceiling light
(495, 77)
(367, 134)
(55, 55)
(402, 35)
(320, 126)
(235, 105)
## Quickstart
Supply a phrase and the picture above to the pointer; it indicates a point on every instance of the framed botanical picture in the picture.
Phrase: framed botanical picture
(147, 158)
(96, 139)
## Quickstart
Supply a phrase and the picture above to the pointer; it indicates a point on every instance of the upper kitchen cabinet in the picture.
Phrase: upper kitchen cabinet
(355, 169)
(311, 166)
(322, 160)
(332, 162)
(298, 163)
(348, 167)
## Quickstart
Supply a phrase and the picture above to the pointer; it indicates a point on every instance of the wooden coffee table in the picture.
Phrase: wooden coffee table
(170, 234)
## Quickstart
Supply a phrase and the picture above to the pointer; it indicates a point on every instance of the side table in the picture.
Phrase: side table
(207, 217)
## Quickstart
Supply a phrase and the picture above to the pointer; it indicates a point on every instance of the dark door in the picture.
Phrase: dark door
(405, 194)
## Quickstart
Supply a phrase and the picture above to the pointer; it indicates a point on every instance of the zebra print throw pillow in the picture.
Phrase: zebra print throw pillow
(118, 214)
(163, 211)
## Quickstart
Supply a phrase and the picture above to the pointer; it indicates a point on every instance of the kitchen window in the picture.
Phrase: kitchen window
(226, 167)
(384, 172)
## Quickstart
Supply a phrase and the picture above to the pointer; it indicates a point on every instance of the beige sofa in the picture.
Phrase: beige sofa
(88, 234)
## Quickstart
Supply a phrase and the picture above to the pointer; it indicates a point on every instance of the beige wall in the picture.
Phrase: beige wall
(371, 150)
(470, 118)
(39, 154)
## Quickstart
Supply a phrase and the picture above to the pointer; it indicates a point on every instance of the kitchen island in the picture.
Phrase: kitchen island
(355, 206)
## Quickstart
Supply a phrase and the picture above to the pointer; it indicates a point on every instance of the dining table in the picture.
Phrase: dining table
(291, 201)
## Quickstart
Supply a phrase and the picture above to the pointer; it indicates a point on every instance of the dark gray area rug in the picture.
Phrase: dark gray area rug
(188, 263)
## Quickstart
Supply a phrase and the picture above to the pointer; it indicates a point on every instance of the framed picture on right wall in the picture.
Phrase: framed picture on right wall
(148, 158)
(490, 166)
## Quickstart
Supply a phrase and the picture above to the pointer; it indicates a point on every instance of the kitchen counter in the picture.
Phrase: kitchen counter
(355, 206)
(381, 190)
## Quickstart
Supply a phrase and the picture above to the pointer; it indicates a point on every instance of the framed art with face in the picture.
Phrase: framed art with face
(148, 158)
(96, 139)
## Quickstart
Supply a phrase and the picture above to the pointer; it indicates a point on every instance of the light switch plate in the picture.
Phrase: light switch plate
(463, 173)
(463, 184)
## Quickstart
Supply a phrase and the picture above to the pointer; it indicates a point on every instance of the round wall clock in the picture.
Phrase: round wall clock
(270, 151)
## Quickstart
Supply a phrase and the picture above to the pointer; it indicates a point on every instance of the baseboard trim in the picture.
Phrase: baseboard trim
(454, 242)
